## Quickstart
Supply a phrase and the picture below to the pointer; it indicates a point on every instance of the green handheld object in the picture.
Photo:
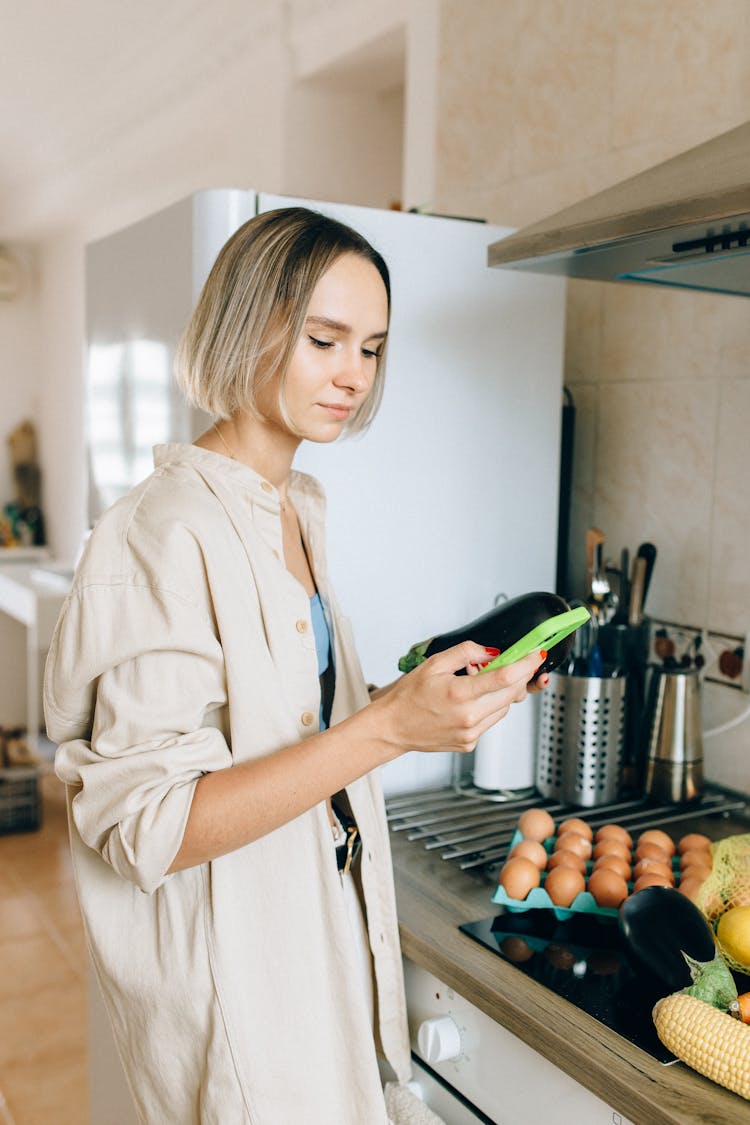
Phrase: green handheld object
(544, 636)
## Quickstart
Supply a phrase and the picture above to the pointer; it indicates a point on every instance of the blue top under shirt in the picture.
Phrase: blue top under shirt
(323, 649)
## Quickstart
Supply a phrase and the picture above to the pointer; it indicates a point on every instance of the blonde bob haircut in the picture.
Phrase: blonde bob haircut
(251, 311)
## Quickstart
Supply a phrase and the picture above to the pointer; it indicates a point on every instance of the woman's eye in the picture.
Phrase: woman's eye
(320, 343)
(371, 354)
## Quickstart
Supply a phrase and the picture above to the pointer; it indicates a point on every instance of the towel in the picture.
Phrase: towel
(404, 1108)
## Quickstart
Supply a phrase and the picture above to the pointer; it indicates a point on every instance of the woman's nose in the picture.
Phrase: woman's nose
(354, 373)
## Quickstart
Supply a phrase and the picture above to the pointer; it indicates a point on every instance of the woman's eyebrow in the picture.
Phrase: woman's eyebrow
(338, 326)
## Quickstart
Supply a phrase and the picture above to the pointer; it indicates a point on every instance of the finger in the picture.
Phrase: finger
(494, 717)
(535, 686)
(462, 656)
(509, 675)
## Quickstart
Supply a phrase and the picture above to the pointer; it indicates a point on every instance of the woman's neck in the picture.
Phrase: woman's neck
(255, 443)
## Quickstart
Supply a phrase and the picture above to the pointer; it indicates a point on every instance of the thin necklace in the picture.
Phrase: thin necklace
(233, 456)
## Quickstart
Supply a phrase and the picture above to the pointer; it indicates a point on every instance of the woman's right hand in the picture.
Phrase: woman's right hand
(432, 709)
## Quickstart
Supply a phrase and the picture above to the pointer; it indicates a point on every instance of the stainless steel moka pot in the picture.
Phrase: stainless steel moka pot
(674, 735)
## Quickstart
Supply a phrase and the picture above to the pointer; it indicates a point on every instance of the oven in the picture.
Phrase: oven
(460, 1052)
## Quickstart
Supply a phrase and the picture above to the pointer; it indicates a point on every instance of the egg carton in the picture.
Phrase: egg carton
(538, 899)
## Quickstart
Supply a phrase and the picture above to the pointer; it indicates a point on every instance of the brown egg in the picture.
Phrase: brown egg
(614, 863)
(575, 824)
(649, 880)
(694, 841)
(696, 858)
(572, 842)
(518, 876)
(654, 867)
(536, 824)
(532, 850)
(690, 888)
(695, 872)
(608, 888)
(612, 846)
(516, 949)
(614, 832)
(651, 851)
(563, 884)
(656, 836)
(565, 858)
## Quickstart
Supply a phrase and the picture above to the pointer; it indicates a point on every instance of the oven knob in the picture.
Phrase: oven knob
(439, 1039)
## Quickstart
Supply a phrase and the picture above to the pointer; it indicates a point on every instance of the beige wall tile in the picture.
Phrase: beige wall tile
(654, 476)
(562, 83)
(475, 115)
(675, 61)
(735, 338)
(583, 330)
(649, 332)
(730, 539)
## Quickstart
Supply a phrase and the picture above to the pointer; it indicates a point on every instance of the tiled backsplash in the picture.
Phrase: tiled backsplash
(542, 103)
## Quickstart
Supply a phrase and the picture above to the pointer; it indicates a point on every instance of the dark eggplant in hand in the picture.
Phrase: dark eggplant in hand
(501, 628)
(658, 925)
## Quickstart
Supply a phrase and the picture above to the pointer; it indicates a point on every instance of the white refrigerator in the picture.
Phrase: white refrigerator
(449, 500)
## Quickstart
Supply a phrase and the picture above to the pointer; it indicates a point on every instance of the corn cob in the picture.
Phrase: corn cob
(707, 1039)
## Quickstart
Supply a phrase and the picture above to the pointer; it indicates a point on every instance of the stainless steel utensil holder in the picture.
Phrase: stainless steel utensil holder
(581, 739)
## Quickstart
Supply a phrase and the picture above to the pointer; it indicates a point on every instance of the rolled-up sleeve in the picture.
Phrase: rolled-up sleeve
(134, 686)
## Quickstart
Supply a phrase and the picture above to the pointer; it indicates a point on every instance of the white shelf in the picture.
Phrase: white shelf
(23, 554)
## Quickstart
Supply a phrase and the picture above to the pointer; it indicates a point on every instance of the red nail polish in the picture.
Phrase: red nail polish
(543, 653)
(492, 651)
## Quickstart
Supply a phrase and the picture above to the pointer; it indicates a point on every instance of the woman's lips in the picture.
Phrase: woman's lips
(336, 410)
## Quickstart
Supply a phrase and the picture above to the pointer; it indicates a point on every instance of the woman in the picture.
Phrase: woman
(215, 732)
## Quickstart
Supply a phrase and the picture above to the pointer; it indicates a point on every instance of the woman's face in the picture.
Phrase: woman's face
(334, 362)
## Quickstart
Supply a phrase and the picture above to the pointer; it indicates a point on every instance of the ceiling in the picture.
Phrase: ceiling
(79, 76)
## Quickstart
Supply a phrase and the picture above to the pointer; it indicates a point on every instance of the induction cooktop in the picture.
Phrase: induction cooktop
(582, 959)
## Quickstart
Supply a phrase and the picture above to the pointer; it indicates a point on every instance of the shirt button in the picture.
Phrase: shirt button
(266, 486)
(307, 718)
(302, 625)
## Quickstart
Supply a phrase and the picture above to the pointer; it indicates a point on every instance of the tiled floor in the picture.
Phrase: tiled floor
(43, 1020)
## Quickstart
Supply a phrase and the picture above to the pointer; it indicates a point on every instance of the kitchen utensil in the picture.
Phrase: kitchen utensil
(624, 590)
(602, 599)
(593, 538)
(581, 736)
(674, 735)
(637, 587)
(647, 551)
(657, 924)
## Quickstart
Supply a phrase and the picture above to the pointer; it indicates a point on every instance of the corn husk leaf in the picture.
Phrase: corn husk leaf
(712, 981)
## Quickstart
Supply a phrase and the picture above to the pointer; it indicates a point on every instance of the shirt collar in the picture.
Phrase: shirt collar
(304, 490)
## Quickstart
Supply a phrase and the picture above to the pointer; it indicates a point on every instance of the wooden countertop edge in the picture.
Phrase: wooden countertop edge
(623, 1076)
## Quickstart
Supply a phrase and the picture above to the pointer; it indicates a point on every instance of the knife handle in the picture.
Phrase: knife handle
(637, 585)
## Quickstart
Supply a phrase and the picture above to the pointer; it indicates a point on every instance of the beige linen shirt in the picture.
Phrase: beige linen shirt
(185, 646)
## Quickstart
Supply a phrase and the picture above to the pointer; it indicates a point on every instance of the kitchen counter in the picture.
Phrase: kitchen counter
(435, 897)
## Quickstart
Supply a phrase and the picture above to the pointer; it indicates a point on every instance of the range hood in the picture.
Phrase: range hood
(683, 223)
